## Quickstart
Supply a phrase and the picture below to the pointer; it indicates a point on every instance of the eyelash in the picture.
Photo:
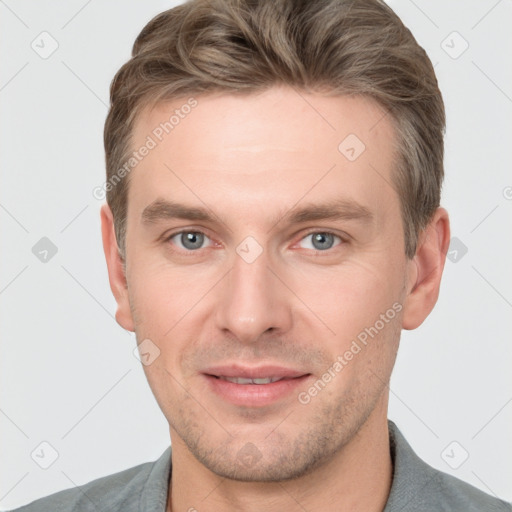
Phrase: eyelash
(343, 240)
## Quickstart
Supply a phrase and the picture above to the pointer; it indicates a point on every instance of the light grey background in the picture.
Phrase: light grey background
(68, 374)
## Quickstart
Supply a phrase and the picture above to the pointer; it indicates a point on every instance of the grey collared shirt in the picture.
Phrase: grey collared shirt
(416, 487)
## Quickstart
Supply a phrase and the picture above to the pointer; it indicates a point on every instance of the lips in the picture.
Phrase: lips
(253, 386)
(243, 380)
(248, 373)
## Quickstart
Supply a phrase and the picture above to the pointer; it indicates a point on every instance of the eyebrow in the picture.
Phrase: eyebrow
(341, 209)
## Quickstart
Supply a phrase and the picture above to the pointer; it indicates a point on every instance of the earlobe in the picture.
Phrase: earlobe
(425, 270)
(116, 270)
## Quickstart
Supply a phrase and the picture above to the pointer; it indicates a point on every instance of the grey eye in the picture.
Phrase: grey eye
(320, 241)
(190, 240)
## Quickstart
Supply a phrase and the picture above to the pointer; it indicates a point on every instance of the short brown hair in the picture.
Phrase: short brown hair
(341, 47)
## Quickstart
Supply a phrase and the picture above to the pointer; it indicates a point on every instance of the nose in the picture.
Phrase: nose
(253, 301)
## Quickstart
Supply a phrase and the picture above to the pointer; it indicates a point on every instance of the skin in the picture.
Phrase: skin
(252, 160)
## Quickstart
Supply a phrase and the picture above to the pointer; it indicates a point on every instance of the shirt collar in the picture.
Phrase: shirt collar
(154, 494)
(411, 475)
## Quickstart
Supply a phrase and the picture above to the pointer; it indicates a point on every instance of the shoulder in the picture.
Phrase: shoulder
(119, 491)
(417, 486)
(459, 495)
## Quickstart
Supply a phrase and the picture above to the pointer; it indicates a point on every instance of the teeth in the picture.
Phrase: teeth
(243, 380)
(266, 380)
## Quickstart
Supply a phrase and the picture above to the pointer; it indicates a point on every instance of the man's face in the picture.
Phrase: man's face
(299, 248)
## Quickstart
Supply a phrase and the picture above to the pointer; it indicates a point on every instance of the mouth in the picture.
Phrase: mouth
(245, 381)
(254, 387)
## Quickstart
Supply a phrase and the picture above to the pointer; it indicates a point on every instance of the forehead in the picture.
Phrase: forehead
(276, 145)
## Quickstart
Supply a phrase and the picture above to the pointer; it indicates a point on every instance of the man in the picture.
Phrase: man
(272, 224)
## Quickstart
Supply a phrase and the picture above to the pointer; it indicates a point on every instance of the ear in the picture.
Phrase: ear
(425, 270)
(116, 270)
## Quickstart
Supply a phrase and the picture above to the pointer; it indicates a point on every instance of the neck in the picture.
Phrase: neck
(357, 478)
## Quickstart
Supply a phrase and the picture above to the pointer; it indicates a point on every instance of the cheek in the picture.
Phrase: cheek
(170, 305)
(350, 297)
(162, 295)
